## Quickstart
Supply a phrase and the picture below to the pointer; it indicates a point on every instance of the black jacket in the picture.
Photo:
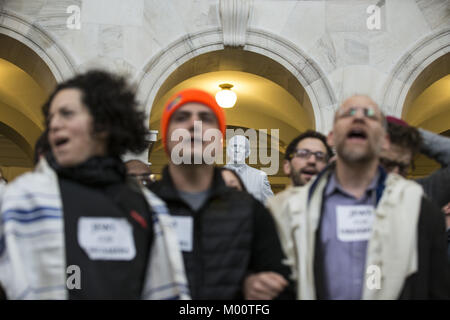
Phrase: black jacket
(233, 235)
(432, 281)
(98, 189)
(435, 186)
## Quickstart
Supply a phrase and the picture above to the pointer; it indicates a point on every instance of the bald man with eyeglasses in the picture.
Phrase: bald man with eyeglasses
(355, 231)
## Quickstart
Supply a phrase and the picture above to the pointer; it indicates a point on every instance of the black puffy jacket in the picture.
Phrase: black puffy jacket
(233, 235)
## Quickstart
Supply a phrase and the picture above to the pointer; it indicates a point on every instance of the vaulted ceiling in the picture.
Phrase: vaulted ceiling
(25, 83)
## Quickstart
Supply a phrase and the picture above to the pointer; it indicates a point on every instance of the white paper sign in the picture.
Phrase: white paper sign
(183, 228)
(106, 238)
(354, 223)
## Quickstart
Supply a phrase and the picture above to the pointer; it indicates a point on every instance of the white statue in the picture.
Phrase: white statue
(256, 181)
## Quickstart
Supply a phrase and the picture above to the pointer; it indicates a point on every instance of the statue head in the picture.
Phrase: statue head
(238, 149)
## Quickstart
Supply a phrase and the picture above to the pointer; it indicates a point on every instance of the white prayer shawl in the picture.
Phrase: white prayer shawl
(32, 251)
(283, 223)
(392, 247)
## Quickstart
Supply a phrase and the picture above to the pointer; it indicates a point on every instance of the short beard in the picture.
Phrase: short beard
(295, 178)
(350, 157)
(296, 181)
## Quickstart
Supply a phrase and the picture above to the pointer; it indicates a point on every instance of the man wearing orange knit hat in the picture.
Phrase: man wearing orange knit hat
(228, 239)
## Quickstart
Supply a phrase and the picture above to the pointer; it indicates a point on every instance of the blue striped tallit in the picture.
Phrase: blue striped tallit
(32, 252)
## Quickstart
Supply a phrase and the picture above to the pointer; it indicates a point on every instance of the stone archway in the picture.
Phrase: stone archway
(303, 68)
(305, 80)
(410, 92)
(32, 64)
(58, 61)
(410, 66)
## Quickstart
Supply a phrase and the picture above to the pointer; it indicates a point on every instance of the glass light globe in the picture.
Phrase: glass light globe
(226, 98)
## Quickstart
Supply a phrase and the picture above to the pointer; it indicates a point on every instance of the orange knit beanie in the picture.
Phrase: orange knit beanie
(183, 97)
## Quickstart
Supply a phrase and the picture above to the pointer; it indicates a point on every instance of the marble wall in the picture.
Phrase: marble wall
(330, 47)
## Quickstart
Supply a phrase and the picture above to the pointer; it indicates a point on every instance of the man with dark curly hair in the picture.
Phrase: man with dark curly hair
(405, 142)
(77, 227)
(305, 156)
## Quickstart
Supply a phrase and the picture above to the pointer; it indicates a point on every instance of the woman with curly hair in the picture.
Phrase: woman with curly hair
(77, 227)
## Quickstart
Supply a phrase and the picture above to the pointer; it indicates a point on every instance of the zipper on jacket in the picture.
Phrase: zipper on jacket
(198, 253)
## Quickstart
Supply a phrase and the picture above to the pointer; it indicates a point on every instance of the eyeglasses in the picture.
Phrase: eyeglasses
(390, 165)
(368, 112)
(306, 154)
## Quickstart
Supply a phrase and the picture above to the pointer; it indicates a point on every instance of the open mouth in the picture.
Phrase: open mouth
(357, 134)
(308, 171)
(61, 141)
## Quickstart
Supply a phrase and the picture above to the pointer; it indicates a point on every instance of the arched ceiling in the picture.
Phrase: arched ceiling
(11, 154)
(261, 104)
(26, 59)
(19, 129)
(243, 61)
(19, 90)
(438, 69)
(25, 82)
(21, 99)
(431, 109)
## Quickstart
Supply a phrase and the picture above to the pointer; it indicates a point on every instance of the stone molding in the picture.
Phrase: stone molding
(42, 43)
(409, 67)
(304, 68)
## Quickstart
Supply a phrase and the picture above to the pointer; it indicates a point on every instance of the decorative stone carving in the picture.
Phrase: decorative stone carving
(234, 15)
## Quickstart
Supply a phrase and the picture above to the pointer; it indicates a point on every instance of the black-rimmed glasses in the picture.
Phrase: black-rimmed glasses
(306, 154)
